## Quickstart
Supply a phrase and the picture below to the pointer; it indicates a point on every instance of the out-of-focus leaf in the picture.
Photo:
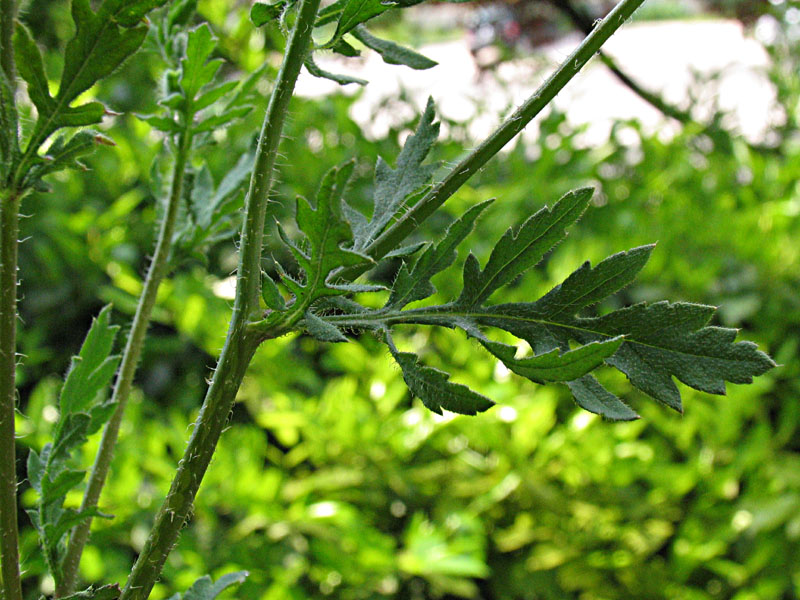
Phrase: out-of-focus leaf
(392, 53)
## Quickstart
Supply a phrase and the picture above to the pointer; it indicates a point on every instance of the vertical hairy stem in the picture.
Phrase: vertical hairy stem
(239, 344)
(10, 586)
(9, 536)
(8, 17)
(459, 174)
(127, 369)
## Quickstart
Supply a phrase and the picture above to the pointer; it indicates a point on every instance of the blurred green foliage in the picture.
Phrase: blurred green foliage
(330, 482)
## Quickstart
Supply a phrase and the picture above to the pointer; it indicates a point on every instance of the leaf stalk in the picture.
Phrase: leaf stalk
(240, 343)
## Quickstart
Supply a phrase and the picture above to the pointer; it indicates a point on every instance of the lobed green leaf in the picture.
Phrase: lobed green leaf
(433, 388)
(517, 252)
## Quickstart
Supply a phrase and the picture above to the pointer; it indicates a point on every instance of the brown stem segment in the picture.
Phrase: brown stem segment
(9, 535)
(241, 343)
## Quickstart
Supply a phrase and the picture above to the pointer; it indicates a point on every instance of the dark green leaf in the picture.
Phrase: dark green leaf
(592, 396)
(262, 13)
(327, 233)
(672, 339)
(99, 45)
(415, 283)
(433, 388)
(316, 71)
(392, 53)
(345, 49)
(393, 186)
(35, 467)
(65, 152)
(322, 330)
(31, 68)
(180, 13)
(354, 13)
(164, 124)
(516, 253)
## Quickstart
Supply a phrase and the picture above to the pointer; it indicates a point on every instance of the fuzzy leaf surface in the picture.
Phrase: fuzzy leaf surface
(433, 388)
(517, 252)
(328, 235)
(393, 186)
(414, 283)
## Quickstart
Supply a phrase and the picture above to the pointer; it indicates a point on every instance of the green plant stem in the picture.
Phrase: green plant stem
(240, 343)
(8, 18)
(465, 169)
(127, 369)
(9, 535)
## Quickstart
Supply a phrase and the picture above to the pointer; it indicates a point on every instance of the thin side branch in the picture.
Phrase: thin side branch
(465, 169)
(127, 369)
(240, 344)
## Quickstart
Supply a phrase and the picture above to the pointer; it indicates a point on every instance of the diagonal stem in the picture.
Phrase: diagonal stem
(465, 169)
(240, 344)
(127, 369)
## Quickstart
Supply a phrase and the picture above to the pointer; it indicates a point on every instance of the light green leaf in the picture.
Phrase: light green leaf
(392, 53)
(213, 94)
(195, 70)
(555, 366)
(93, 368)
(433, 388)
(217, 121)
(517, 252)
(271, 295)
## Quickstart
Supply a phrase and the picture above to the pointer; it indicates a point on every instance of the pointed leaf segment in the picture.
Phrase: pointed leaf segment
(206, 589)
(83, 410)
